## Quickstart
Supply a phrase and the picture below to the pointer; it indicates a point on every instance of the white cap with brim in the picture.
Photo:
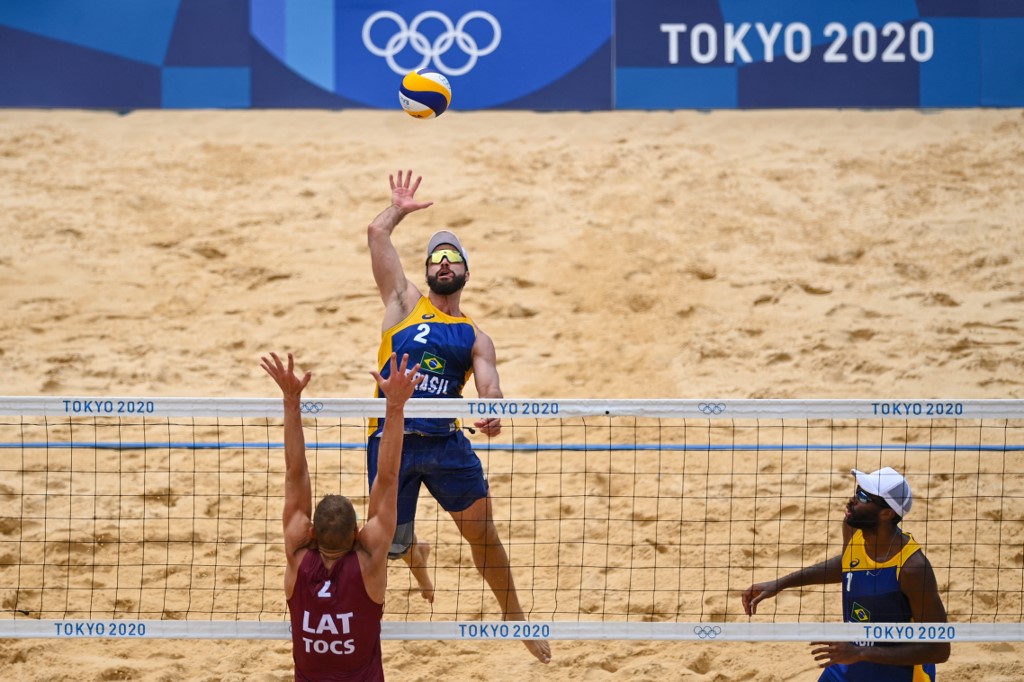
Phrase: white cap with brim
(446, 237)
(888, 484)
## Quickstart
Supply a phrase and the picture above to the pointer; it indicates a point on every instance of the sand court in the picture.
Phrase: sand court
(776, 254)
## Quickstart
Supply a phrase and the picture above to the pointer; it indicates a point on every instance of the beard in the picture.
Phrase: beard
(446, 288)
(862, 521)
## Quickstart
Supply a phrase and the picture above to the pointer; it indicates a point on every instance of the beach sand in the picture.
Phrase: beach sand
(775, 254)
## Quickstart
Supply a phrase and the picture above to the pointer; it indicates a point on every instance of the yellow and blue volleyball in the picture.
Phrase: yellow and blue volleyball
(425, 93)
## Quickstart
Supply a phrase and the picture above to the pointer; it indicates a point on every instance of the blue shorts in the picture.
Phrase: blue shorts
(874, 672)
(446, 465)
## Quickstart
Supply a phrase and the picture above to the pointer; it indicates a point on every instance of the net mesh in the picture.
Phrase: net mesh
(609, 518)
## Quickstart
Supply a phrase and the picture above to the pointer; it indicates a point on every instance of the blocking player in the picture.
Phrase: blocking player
(336, 573)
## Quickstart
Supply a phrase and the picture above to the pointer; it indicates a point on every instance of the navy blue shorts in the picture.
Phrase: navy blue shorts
(873, 672)
(446, 465)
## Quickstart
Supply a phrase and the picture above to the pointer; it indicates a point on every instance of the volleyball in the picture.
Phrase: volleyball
(425, 93)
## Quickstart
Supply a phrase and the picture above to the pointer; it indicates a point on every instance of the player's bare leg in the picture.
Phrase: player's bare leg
(416, 559)
(477, 526)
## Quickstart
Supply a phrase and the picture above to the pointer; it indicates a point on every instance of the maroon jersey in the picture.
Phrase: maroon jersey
(335, 624)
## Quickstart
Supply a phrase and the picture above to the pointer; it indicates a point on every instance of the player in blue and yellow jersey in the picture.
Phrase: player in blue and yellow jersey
(450, 349)
(885, 578)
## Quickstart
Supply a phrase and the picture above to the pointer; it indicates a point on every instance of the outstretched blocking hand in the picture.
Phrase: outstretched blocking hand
(291, 385)
(403, 192)
(401, 382)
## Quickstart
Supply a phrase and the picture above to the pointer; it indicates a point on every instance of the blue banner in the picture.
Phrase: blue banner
(524, 54)
(513, 54)
(806, 53)
(502, 53)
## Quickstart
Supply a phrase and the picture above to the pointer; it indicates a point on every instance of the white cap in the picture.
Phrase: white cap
(446, 237)
(888, 484)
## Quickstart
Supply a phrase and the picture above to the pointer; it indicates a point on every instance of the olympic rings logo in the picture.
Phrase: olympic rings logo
(310, 408)
(711, 408)
(707, 632)
(453, 34)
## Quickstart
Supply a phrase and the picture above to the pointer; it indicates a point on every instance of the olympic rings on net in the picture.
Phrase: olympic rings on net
(310, 408)
(711, 408)
(707, 631)
(453, 34)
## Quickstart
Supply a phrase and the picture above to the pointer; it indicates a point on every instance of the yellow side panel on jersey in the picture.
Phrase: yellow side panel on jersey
(443, 347)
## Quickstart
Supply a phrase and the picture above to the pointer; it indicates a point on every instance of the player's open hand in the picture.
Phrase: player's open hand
(291, 385)
(829, 653)
(403, 192)
(401, 382)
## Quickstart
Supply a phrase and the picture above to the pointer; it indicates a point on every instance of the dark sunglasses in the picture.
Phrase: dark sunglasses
(867, 498)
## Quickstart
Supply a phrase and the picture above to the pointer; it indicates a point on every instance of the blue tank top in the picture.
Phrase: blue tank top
(872, 594)
(443, 345)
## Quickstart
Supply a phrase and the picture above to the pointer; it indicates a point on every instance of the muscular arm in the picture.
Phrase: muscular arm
(828, 571)
(488, 385)
(382, 508)
(298, 501)
(917, 582)
(397, 292)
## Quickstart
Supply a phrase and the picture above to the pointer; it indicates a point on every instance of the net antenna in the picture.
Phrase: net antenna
(623, 519)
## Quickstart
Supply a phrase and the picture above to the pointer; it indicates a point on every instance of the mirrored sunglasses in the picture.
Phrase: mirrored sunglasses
(867, 498)
(452, 256)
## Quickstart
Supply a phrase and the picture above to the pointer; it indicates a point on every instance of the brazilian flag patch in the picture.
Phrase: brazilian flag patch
(859, 613)
(432, 363)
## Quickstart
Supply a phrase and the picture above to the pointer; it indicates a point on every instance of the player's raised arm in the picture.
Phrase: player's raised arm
(382, 508)
(298, 501)
(397, 292)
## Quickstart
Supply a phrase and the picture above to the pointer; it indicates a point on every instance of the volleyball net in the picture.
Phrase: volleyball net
(622, 519)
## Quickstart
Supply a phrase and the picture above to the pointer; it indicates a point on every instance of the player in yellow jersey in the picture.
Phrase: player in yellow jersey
(450, 349)
(886, 578)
